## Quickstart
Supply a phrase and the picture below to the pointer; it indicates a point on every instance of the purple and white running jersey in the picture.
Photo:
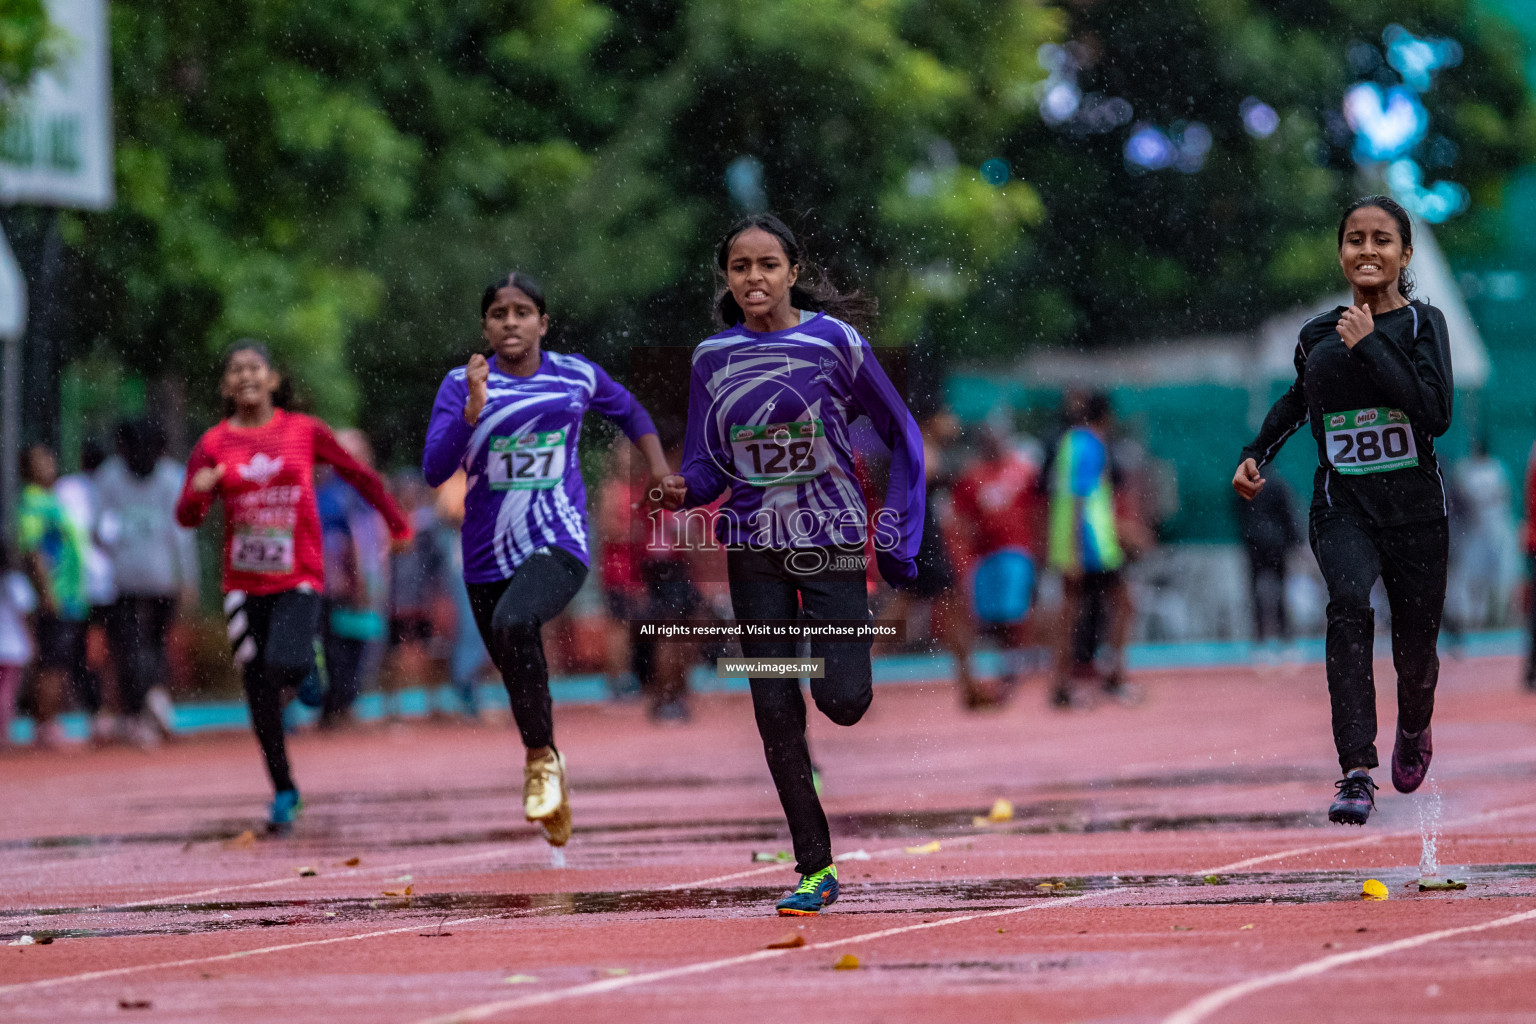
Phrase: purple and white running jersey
(768, 417)
(525, 490)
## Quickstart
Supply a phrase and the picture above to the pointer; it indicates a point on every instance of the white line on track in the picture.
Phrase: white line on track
(1369, 840)
(358, 872)
(1208, 1004)
(116, 972)
(607, 985)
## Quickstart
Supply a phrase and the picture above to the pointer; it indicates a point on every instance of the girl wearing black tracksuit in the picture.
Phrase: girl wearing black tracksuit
(1373, 381)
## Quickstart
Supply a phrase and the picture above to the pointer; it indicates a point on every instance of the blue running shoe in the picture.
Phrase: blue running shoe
(1356, 799)
(285, 810)
(814, 892)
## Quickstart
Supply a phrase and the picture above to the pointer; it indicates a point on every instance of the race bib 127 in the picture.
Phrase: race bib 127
(531, 462)
(1369, 441)
(771, 454)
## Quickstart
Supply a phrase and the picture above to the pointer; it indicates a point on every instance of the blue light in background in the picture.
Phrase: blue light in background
(1437, 203)
(1259, 118)
(996, 171)
(1418, 58)
(1148, 148)
(744, 180)
(1387, 123)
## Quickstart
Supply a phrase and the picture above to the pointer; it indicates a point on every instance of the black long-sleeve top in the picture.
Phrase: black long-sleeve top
(1403, 365)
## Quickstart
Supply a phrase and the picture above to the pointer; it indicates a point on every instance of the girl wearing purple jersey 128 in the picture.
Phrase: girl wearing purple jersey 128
(769, 406)
(513, 422)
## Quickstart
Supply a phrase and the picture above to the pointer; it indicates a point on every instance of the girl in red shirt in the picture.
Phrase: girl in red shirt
(261, 460)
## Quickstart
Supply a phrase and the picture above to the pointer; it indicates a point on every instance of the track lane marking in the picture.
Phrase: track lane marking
(357, 872)
(239, 954)
(1208, 1004)
(484, 1010)
(1345, 844)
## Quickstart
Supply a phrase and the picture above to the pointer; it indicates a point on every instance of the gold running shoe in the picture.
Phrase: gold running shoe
(546, 799)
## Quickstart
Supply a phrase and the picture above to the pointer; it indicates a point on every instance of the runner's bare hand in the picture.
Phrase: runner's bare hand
(205, 479)
(1355, 324)
(1247, 481)
(476, 374)
(674, 490)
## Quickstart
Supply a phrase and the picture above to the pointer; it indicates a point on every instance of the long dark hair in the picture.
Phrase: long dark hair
(1395, 210)
(282, 398)
(812, 290)
(516, 279)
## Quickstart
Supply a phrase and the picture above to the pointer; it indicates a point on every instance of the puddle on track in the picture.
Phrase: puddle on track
(859, 897)
(1069, 817)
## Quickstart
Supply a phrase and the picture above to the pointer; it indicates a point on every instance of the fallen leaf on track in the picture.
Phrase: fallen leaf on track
(846, 962)
(244, 841)
(1373, 890)
(519, 979)
(133, 1004)
(352, 862)
(1181, 928)
(1440, 885)
(306, 871)
(1002, 810)
(771, 856)
(1247, 928)
(789, 940)
(932, 847)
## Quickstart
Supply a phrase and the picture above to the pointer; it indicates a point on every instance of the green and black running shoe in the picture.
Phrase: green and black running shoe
(815, 891)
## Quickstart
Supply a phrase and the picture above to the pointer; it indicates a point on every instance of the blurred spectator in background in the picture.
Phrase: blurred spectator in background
(78, 496)
(1269, 529)
(468, 659)
(621, 526)
(17, 601)
(1485, 548)
(154, 563)
(54, 554)
(355, 542)
(1528, 676)
(1085, 548)
(998, 521)
(417, 584)
(937, 581)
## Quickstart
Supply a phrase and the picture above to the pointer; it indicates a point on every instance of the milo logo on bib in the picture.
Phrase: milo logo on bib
(1370, 441)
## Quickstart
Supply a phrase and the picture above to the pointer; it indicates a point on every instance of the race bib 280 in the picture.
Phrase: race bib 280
(1369, 441)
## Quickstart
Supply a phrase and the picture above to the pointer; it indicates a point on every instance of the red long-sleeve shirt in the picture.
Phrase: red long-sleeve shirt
(271, 525)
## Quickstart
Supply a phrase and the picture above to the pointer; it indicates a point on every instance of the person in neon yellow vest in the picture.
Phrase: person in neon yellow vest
(1084, 546)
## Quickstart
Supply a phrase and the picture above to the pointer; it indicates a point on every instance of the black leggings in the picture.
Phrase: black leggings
(765, 586)
(1411, 562)
(273, 637)
(510, 615)
(137, 632)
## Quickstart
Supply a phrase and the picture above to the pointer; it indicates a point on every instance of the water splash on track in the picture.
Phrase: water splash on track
(1429, 807)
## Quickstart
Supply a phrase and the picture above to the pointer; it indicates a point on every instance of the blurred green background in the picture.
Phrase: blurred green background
(342, 179)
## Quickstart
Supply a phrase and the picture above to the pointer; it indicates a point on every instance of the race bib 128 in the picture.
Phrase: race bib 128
(531, 462)
(1369, 441)
(771, 454)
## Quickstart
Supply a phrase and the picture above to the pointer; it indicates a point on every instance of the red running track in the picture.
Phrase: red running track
(1091, 904)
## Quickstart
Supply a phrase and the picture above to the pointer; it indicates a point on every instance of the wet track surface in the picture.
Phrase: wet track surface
(1178, 860)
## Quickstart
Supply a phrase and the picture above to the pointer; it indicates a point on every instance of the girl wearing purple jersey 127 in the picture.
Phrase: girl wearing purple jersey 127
(513, 421)
(769, 408)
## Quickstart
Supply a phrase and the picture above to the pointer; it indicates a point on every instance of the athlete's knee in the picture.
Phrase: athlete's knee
(846, 708)
(514, 628)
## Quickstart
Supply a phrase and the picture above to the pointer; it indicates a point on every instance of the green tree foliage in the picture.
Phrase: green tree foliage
(1158, 253)
(342, 178)
(27, 43)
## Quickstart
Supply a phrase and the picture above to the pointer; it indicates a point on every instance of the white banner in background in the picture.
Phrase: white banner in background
(56, 147)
